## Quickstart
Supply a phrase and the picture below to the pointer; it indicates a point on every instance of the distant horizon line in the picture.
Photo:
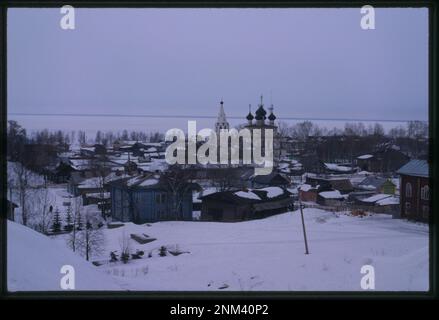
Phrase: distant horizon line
(200, 117)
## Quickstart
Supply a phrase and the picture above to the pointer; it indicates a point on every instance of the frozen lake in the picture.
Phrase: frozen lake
(92, 123)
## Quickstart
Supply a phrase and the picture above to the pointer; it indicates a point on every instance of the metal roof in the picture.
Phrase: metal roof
(372, 181)
(418, 168)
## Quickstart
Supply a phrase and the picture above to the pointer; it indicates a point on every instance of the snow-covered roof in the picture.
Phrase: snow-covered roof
(142, 181)
(273, 192)
(377, 197)
(283, 165)
(371, 182)
(104, 195)
(388, 201)
(95, 182)
(79, 164)
(365, 156)
(247, 194)
(331, 194)
(207, 191)
(418, 168)
(336, 167)
(148, 182)
(305, 187)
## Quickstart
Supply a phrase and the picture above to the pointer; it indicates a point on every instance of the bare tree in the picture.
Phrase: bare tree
(16, 139)
(22, 184)
(42, 207)
(76, 207)
(125, 247)
(284, 129)
(417, 129)
(224, 179)
(179, 183)
(397, 132)
(82, 138)
(90, 240)
(100, 171)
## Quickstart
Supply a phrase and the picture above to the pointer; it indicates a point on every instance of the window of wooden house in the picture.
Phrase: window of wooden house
(160, 198)
(408, 190)
(425, 211)
(425, 193)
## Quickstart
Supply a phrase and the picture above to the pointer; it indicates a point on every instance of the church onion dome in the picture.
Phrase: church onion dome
(250, 116)
(260, 113)
(271, 117)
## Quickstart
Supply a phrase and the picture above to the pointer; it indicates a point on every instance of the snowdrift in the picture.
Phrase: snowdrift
(34, 264)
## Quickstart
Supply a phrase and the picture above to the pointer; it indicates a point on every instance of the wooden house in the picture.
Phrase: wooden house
(308, 193)
(61, 173)
(387, 158)
(377, 184)
(145, 198)
(245, 204)
(325, 183)
(330, 198)
(415, 190)
(273, 179)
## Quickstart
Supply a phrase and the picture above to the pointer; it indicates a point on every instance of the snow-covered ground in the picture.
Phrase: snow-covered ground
(35, 261)
(266, 254)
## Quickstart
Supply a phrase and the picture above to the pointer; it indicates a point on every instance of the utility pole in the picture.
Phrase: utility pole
(303, 226)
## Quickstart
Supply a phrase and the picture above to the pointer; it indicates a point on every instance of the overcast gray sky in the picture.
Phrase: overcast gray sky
(316, 63)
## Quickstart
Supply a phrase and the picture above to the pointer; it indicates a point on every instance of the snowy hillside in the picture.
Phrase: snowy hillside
(34, 263)
(266, 254)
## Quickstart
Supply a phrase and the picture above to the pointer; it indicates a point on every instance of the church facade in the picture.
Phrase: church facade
(258, 121)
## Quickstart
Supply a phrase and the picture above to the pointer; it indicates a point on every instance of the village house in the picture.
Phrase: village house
(379, 203)
(386, 158)
(291, 168)
(308, 193)
(145, 198)
(326, 183)
(260, 181)
(378, 185)
(61, 173)
(93, 150)
(414, 190)
(334, 168)
(330, 198)
(245, 204)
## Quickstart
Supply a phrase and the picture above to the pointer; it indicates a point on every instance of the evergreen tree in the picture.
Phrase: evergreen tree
(56, 225)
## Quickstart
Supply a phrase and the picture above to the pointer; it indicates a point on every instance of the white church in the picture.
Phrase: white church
(259, 121)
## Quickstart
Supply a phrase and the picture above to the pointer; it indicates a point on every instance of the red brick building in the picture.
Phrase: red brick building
(415, 190)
